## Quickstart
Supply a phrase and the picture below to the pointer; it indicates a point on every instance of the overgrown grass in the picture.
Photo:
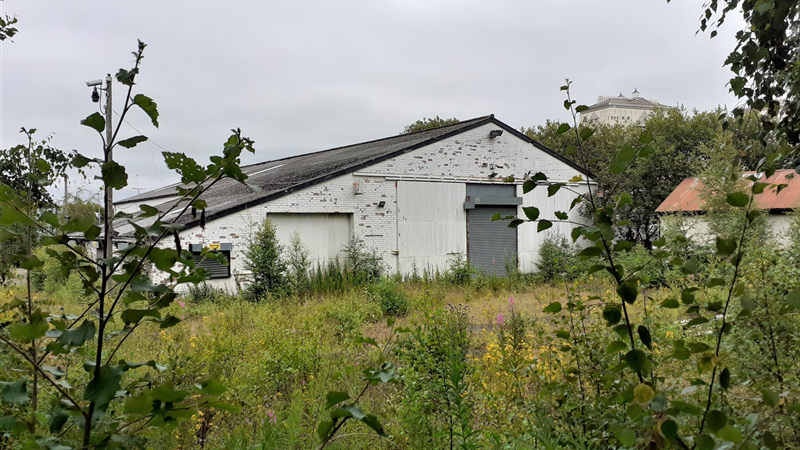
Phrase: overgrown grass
(481, 367)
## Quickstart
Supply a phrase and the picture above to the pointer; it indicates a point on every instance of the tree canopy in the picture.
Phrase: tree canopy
(28, 167)
(683, 144)
(426, 124)
(765, 61)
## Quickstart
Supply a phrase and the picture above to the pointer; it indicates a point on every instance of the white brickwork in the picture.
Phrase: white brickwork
(473, 154)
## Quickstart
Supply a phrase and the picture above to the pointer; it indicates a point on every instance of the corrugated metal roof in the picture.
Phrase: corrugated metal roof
(280, 177)
(687, 196)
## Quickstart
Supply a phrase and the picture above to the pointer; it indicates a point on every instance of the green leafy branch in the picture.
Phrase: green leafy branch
(340, 414)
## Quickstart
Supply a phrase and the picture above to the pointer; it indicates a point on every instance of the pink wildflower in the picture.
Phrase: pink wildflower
(493, 261)
(512, 301)
(501, 319)
(183, 305)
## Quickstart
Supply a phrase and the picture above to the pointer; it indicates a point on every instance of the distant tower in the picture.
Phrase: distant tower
(635, 93)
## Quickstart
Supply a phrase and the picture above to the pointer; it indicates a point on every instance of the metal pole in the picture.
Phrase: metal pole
(66, 180)
(108, 251)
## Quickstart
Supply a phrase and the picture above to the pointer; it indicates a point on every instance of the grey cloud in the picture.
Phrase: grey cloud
(309, 75)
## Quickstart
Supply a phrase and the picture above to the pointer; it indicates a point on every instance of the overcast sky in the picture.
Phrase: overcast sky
(300, 76)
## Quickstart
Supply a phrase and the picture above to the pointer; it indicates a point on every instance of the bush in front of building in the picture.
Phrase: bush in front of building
(263, 260)
(460, 272)
(204, 292)
(364, 265)
(391, 297)
(558, 259)
(298, 263)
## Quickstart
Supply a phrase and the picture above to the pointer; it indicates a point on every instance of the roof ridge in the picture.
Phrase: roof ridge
(462, 122)
(454, 126)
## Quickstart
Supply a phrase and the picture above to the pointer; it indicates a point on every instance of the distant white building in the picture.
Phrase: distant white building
(621, 110)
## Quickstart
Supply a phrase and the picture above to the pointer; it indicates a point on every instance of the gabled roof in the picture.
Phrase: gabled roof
(283, 176)
(687, 198)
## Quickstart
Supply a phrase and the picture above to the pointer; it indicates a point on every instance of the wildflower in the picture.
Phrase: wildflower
(493, 261)
(183, 305)
(501, 319)
(512, 301)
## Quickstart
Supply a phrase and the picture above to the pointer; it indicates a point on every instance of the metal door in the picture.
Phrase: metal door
(491, 244)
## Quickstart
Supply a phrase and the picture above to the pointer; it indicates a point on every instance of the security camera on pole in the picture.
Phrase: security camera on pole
(108, 243)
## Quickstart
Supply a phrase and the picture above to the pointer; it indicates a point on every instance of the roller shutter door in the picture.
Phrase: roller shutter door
(490, 244)
(215, 268)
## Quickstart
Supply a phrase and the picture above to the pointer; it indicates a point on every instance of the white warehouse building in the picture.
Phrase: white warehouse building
(418, 200)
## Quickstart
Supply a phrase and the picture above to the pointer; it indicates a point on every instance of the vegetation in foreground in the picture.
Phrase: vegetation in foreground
(482, 362)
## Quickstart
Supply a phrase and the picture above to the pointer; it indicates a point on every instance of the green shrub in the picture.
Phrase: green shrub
(647, 268)
(390, 296)
(327, 278)
(348, 315)
(360, 267)
(492, 282)
(365, 266)
(298, 265)
(460, 271)
(52, 281)
(204, 292)
(557, 259)
(263, 260)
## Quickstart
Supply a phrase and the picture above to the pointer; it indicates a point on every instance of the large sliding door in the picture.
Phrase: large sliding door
(323, 234)
(430, 225)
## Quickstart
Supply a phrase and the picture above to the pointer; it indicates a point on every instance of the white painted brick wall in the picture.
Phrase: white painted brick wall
(465, 155)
